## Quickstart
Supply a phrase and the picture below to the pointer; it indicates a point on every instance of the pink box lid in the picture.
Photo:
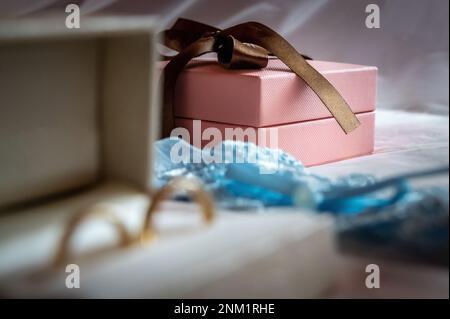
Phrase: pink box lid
(270, 96)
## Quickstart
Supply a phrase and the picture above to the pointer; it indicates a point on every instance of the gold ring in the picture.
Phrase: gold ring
(62, 253)
(192, 187)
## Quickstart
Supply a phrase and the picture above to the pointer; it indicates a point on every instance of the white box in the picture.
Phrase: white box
(77, 106)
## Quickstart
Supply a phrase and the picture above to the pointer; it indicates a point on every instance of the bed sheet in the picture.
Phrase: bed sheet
(404, 142)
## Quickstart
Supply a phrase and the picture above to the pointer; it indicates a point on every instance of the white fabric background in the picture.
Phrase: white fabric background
(410, 48)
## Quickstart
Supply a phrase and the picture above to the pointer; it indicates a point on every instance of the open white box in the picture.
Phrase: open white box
(77, 106)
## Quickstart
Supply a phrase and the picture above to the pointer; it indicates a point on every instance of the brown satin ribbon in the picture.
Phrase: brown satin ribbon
(244, 46)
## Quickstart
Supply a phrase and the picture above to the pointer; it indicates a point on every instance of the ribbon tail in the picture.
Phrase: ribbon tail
(267, 38)
(171, 73)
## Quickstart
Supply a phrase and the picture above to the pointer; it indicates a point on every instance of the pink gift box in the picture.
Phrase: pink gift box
(275, 97)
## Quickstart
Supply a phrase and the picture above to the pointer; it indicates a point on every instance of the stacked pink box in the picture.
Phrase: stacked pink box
(275, 98)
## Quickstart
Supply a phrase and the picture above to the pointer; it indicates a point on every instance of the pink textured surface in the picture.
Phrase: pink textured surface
(270, 96)
(312, 142)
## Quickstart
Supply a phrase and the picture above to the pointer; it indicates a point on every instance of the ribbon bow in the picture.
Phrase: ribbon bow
(244, 46)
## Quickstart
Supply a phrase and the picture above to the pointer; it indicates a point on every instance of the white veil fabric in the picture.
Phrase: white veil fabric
(411, 47)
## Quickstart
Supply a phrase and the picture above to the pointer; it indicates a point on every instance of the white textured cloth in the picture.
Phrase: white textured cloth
(404, 142)
(410, 48)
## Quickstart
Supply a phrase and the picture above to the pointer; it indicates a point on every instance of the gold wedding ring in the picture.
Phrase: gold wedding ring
(192, 187)
(97, 211)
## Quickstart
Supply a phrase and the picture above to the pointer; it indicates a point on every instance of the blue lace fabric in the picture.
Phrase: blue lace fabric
(248, 177)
